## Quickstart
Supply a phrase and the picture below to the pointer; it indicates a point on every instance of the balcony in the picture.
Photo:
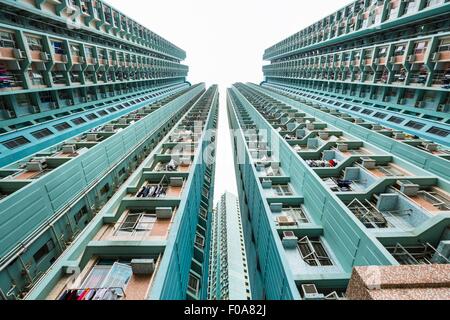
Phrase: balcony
(353, 179)
(289, 215)
(102, 279)
(424, 253)
(430, 198)
(172, 165)
(165, 187)
(309, 257)
(388, 211)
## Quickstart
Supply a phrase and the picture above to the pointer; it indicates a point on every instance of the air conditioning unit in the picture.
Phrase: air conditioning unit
(82, 59)
(163, 213)
(408, 188)
(289, 240)
(266, 184)
(359, 120)
(83, 99)
(420, 104)
(342, 147)
(376, 127)
(69, 102)
(392, 59)
(324, 135)
(310, 126)
(36, 165)
(309, 292)
(369, 163)
(122, 121)
(276, 207)
(69, 148)
(412, 58)
(386, 99)
(432, 147)
(143, 266)
(286, 221)
(92, 137)
(176, 181)
(399, 135)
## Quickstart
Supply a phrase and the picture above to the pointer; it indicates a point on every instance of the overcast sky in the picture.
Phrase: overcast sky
(225, 41)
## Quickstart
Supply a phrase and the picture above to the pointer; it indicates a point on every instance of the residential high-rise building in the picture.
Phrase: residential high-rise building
(150, 238)
(229, 278)
(106, 154)
(322, 193)
(342, 155)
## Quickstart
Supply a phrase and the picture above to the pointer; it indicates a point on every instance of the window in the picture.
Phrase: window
(439, 132)
(282, 190)
(89, 51)
(75, 50)
(40, 134)
(400, 50)
(420, 47)
(367, 111)
(193, 284)
(16, 142)
(296, 213)
(444, 45)
(137, 223)
(102, 113)
(380, 115)
(35, 44)
(78, 121)
(112, 110)
(415, 125)
(105, 189)
(313, 252)
(199, 241)
(58, 47)
(107, 275)
(91, 116)
(62, 126)
(122, 172)
(80, 214)
(43, 251)
(396, 119)
(7, 40)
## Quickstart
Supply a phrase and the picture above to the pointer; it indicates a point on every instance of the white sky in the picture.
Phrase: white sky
(225, 41)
